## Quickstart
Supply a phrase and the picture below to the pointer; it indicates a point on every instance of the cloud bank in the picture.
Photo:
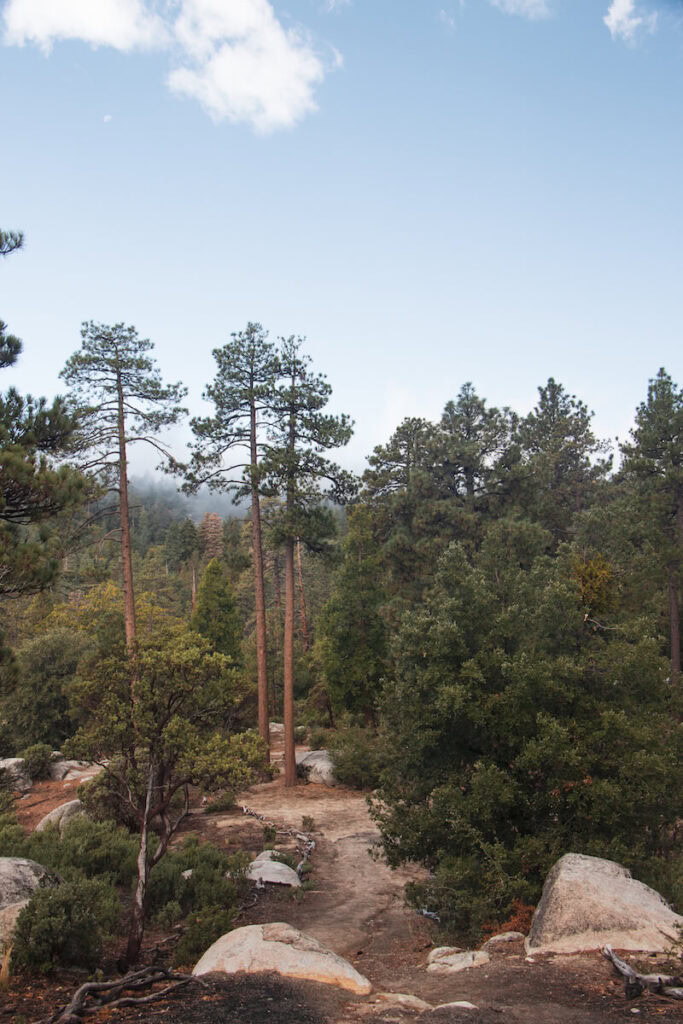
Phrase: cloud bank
(236, 58)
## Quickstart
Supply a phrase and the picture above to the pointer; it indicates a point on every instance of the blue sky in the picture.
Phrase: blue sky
(430, 192)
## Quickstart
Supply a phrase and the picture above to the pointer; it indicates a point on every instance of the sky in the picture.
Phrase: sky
(430, 192)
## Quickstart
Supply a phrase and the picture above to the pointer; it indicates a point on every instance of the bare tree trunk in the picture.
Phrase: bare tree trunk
(137, 915)
(276, 582)
(288, 698)
(675, 630)
(124, 515)
(259, 594)
(302, 597)
(194, 588)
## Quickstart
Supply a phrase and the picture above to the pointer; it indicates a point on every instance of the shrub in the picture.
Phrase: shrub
(65, 926)
(357, 756)
(202, 930)
(224, 802)
(217, 878)
(38, 758)
(104, 800)
(300, 734)
(92, 848)
(318, 738)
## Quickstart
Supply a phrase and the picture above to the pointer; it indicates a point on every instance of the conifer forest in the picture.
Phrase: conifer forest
(481, 626)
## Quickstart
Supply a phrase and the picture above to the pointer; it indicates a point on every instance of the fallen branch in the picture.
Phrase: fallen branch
(663, 985)
(95, 995)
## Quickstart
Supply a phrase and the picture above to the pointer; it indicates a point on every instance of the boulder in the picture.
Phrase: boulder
(61, 816)
(19, 778)
(316, 766)
(62, 769)
(439, 952)
(451, 962)
(19, 878)
(277, 728)
(265, 869)
(279, 947)
(8, 920)
(589, 902)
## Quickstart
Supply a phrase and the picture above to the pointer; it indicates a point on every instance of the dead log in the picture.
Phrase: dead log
(96, 995)
(663, 985)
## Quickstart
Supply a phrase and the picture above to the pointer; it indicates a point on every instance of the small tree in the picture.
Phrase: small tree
(216, 616)
(297, 467)
(171, 737)
(122, 401)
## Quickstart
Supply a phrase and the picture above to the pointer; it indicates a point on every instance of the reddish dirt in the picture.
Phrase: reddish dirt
(356, 909)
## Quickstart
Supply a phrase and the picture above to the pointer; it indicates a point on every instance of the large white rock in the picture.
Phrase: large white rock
(8, 920)
(449, 962)
(317, 766)
(589, 902)
(502, 939)
(19, 778)
(60, 769)
(19, 878)
(265, 869)
(61, 816)
(279, 947)
(276, 728)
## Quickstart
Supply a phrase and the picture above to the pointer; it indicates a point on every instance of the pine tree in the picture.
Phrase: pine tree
(118, 389)
(211, 535)
(296, 467)
(228, 449)
(654, 461)
(216, 616)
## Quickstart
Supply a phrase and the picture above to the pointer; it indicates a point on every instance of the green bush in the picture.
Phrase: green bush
(217, 878)
(65, 926)
(300, 734)
(319, 738)
(357, 754)
(224, 802)
(105, 800)
(202, 930)
(92, 848)
(38, 759)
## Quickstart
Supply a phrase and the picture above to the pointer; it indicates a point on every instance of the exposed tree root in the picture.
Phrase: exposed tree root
(95, 995)
(635, 983)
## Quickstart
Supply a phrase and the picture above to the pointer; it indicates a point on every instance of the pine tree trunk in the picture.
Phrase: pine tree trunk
(124, 514)
(288, 698)
(259, 595)
(194, 588)
(302, 597)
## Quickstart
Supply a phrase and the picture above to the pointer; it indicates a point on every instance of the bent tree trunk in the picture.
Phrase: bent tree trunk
(136, 928)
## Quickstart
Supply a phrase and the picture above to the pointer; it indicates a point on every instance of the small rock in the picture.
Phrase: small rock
(402, 999)
(279, 947)
(187, 875)
(503, 937)
(441, 951)
(459, 962)
(272, 871)
(461, 1004)
(61, 816)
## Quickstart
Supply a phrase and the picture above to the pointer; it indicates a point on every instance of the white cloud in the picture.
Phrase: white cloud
(446, 19)
(624, 22)
(335, 5)
(526, 8)
(244, 65)
(107, 118)
(123, 24)
(234, 56)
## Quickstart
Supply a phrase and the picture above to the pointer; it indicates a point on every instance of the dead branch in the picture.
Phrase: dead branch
(663, 985)
(95, 995)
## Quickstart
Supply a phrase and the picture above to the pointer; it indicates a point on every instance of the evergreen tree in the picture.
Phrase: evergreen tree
(228, 449)
(297, 467)
(121, 399)
(654, 461)
(211, 536)
(562, 459)
(216, 616)
(352, 637)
